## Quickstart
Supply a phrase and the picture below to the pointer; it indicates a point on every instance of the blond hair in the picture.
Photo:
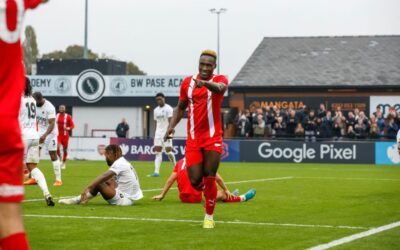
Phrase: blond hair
(209, 52)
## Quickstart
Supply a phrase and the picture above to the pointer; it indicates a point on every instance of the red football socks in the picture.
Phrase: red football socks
(65, 155)
(210, 194)
(16, 241)
(233, 199)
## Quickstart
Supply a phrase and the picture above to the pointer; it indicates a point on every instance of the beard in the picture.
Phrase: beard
(109, 162)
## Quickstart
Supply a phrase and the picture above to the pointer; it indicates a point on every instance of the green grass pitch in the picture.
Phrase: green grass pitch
(312, 205)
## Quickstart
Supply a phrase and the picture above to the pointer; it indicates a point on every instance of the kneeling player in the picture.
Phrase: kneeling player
(118, 186)
(187, 194)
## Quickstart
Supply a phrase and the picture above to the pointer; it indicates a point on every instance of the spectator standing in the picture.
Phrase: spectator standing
(122, 129)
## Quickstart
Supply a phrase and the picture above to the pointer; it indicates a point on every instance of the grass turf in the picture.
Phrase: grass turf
(315, 194)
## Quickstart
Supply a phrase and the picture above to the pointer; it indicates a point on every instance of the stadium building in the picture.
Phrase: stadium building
(350, 71)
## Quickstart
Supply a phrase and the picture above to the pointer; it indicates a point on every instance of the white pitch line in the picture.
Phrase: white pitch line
(191, 221)
(352, 179)
(356, 236)
(160, 189)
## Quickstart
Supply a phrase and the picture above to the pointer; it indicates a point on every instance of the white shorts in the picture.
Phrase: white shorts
(50, 143)
(31, 151)
(120, 199)
(159, 142)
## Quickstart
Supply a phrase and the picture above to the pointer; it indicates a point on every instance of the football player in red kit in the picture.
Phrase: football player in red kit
(65, 125)
(12, 84)
(202, 94)
(187, 194)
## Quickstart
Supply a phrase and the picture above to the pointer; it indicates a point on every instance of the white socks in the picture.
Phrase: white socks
(171, 157)
(209, 217)
(57, 169)
(157, 162)
(41, 181)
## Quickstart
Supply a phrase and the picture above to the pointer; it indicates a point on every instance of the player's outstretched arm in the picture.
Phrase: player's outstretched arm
(91, 188)
(221, 183)
(216, 87)
(166, 188)
(179, 111)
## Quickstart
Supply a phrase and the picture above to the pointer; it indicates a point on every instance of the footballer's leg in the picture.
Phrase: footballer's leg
(158, 157)
(222, 196)
(12, 233)
(56, 167)
(168, 150)
(38, 176)
(64, 158)
(210, 168)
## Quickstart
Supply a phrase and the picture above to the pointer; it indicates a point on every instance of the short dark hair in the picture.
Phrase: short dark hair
(160, 95)
(28, 87)
(37, 96)
(115, 150)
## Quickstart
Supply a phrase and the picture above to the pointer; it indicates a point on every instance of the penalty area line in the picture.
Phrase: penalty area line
(190, 221)
(356, 236)
(174, 188)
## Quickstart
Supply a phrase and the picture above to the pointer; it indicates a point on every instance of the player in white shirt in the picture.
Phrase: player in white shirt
(119, 185)
(30, 136)
(48, 132)
(398, 141)
(162, 115)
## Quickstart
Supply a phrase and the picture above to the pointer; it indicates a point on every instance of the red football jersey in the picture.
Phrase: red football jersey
(12, 76)
(184, 185)
(64, 121)
(204, 108)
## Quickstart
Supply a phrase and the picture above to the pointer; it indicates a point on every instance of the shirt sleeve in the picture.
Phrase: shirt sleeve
(222, 79)
(31, 4)
(183, 92)
(51, 113)
(71, 123)
(116, 169)
(170, 112)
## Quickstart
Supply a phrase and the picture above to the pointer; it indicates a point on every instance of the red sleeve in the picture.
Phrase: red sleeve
(222, 79)
(31, 4)
(71, 124)
(183, 92)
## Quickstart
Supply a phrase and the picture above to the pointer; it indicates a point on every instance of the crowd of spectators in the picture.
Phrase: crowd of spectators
(322, 123)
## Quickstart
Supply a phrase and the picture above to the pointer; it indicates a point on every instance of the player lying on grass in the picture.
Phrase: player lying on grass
(187, 194)
(119, 185)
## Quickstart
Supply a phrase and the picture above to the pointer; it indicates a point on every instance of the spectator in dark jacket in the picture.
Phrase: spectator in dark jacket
(291, 123)
(280, 127)
(326, 125)
(122, 129)
(243, 126)
(310, 126)
(360, 129)
(391, 128)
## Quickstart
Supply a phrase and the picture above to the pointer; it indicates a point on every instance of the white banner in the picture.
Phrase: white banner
(90, 86)
(385, 103)
(82, 148)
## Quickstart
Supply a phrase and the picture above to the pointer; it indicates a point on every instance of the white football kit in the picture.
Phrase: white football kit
(44, 113)
(398, 139)
(128, 189)
(161, 116)
(30, 135)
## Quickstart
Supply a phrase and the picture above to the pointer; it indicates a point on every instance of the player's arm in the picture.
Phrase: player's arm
(221, 183)
(52, 122)
(166, 188)
(99, 179)
(179, 111)
(216, 87)
(71, 124)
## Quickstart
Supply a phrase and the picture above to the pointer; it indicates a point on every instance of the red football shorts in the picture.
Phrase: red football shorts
(11, 161)
(190, 198)
(195, 148)
(63, 140)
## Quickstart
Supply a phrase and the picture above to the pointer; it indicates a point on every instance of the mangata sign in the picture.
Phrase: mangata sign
(331, 102)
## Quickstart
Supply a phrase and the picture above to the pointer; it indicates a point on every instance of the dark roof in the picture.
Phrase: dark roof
(372, 61)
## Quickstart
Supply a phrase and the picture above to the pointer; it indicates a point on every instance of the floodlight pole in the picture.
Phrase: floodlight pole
(85, 49)
(218, 12)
